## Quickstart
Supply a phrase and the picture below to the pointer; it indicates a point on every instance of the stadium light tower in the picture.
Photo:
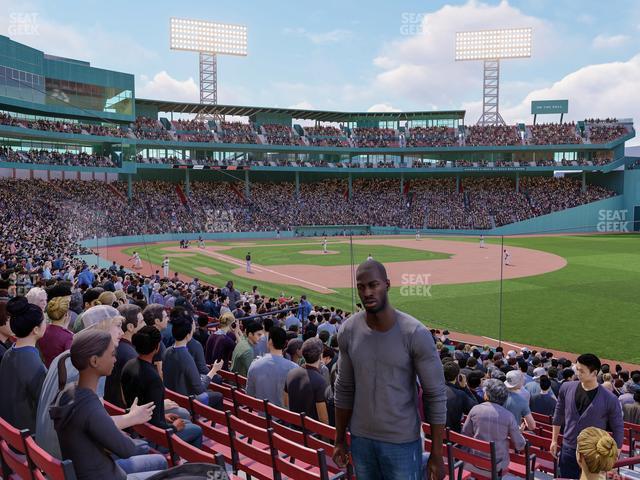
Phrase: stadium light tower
(209, 39)
(491, 46)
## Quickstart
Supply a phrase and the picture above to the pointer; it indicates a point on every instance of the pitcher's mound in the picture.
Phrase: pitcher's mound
(319, 252)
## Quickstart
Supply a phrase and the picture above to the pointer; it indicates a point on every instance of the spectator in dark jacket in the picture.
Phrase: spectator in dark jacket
(459, 399)
(180, 371)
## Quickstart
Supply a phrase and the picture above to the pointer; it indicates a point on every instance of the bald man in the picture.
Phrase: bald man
(382, 351)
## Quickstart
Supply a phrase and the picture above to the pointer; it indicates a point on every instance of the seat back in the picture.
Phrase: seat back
(474, 453)
(525, 459)
(214, 427)
(298, 462)
(249, 408)
(14, 450)
(181, 400)
(185, 451)
(286, 423)
(540, 418)
(540, 447)
(248, 442)
(45, 466)
(230, 378)
(113, 410)
(319, 429)
(157, 437)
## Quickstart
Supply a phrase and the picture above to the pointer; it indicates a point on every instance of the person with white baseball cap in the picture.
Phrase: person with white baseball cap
(516, 403)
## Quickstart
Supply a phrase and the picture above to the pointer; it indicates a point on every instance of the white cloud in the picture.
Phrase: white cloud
(164, 87)
(303, 105)
(26, 23)
(610, 41)
(383, 107)
(601, 90)
(321, 38)
(421, 67)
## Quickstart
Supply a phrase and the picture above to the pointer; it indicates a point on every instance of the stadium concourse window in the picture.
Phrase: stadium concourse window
(88, 96)
(21, 85)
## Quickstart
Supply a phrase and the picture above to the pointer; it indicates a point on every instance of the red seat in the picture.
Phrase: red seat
(523, 464)
(157, 437)
(188, 453)
(182, 400)
(540, 418)
(298, 462)
(226, 392)
(230, 378)
(540, 447)
(248, 454)
(428, 447)
(479, 457)
(14, 450)
(286, 423)
(113, 410)
(214, 430)
(47, 467)
(248, 409)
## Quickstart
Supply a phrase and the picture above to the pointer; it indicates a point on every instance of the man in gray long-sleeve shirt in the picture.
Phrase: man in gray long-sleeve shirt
(382, 351)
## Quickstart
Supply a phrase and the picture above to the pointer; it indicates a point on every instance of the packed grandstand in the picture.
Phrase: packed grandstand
(211, 374)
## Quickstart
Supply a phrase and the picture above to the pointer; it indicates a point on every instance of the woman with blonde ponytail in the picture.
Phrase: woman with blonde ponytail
(596, 453)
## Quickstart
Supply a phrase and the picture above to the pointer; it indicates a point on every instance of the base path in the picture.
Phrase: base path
(468, 264)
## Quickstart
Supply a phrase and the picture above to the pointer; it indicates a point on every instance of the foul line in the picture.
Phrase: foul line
(261, 269)
(506, 343)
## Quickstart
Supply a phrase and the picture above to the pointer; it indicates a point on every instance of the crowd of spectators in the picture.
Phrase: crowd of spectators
(375, 137)
(499, 135)
(150, 129)
(46, 157)
(605, 133)
(431, 137)
(277, 134)
(481, 203)
(237, 132)
(193, 125)
(554, 134)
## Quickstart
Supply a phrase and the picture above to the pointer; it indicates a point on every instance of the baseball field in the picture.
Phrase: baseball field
(570, 293)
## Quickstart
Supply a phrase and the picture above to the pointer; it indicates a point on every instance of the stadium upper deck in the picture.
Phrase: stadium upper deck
(63, 112)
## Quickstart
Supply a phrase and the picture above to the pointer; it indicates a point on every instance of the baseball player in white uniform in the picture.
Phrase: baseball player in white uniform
(165, 267)
(324, 245)
(507, 257)
(481, 241)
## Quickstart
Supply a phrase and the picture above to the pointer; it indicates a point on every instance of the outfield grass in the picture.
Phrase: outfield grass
(593, 304)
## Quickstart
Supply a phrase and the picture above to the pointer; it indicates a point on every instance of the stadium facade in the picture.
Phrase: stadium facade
(39, 90)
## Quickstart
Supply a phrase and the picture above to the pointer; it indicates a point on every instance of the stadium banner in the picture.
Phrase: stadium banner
(544, 107)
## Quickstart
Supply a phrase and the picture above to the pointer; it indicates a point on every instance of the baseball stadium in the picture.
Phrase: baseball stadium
(515, 245)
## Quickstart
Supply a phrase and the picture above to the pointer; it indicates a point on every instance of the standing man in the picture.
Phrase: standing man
(583, 404)
(418, 235)
(481, 241)
(324, 245)
(165, 267)
(507, 257)
(248, 259)
(382, 350)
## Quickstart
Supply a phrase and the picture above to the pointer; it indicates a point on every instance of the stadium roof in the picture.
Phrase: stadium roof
(319, 115)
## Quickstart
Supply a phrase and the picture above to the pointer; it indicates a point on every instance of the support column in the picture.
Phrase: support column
(517, 182)
(247, 192)
(297, 184)
(187, 183)
(584, 181)
(129, 186)
(401, 183)
(350, 186)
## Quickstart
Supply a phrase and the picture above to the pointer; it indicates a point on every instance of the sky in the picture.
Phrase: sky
(356, 55)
